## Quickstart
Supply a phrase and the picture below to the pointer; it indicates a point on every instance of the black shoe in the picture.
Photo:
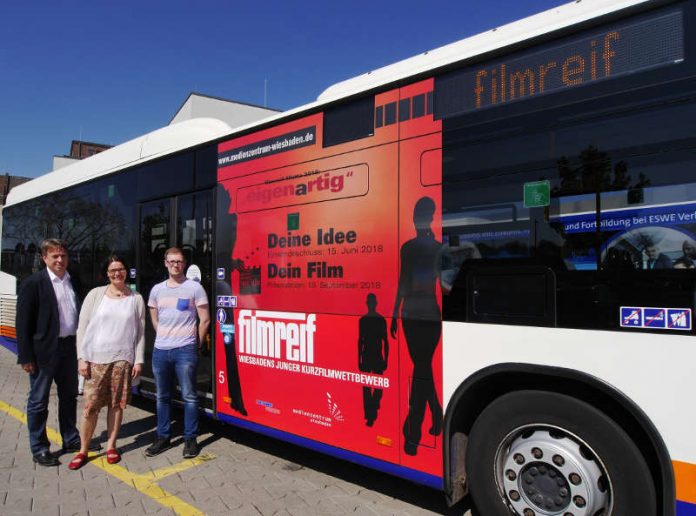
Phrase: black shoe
(190, 448)
(75, 447)
(45, 458)
(161, 444)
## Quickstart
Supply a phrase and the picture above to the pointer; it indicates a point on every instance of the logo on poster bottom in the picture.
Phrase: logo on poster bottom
(268, 406)
(334, 411)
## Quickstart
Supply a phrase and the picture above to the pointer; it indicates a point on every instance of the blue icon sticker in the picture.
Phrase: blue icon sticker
(221, 315)
(227, 329)
(679, 318)
(654, 318)
(221, 273)
(226, 301)
(631, 317)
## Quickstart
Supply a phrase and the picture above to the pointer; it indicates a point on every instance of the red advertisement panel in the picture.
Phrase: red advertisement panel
(309, 290)
(317, 236)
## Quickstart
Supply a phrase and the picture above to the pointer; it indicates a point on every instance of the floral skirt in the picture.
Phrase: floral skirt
(109, 385)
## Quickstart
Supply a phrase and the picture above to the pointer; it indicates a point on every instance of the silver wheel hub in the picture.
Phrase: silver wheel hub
(546, 471)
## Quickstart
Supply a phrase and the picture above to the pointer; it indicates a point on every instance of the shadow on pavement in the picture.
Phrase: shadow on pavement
(297, 458)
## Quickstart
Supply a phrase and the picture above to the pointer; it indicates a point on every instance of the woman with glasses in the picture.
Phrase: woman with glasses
(110, 349)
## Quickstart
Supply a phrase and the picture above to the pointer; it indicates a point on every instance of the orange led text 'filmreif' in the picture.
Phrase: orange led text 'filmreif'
(498, 85)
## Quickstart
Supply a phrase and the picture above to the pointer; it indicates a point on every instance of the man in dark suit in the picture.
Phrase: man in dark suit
(48, 306)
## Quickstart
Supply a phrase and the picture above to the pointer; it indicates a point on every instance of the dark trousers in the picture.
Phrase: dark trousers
(62, 369)
(422, 338)
(372, 399)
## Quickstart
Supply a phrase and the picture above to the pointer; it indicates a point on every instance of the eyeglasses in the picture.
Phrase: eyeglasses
(116, 271)
(175, 262)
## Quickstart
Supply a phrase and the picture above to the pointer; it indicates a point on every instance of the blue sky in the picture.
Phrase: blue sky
(107, 72)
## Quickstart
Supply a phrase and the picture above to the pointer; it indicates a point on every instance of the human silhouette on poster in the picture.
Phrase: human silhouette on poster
(373, 355)
(420, 319)
(227, 236)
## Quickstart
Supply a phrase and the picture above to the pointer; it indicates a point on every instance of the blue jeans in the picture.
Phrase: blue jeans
(62, 368)
(165, 364)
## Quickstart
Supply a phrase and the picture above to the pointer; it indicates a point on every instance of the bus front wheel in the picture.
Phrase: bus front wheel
(543, 453)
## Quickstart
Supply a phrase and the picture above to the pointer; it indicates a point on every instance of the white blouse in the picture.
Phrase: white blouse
(110, 335)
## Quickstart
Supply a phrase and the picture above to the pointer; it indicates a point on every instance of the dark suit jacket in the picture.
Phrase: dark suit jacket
(38, 323)
(661, 262)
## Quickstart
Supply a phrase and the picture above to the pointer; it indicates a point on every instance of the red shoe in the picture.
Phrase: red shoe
(112, 456)
(78, 461)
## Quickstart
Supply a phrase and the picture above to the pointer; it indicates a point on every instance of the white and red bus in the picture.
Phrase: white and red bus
(475, 269)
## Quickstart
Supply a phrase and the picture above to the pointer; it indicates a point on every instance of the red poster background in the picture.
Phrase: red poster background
(317, 230)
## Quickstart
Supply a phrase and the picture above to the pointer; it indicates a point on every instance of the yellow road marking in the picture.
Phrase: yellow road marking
(161, 473)
(144, 483)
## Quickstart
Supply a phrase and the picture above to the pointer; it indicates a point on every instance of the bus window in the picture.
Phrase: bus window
(599, 175)
(348, 122)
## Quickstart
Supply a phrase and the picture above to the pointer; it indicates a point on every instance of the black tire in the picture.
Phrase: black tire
(588, 438)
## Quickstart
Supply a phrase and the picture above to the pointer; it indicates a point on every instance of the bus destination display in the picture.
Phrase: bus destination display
(640, 44)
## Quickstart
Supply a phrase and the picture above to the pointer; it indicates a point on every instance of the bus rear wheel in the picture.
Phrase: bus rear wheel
(535, 453)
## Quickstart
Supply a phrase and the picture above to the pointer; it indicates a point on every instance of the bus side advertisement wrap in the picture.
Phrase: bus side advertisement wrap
(309, 252)
(310, 274)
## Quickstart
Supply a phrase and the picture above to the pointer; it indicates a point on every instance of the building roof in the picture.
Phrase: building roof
(198, 105)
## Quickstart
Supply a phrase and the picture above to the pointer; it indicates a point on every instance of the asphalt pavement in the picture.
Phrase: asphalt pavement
(238, 472)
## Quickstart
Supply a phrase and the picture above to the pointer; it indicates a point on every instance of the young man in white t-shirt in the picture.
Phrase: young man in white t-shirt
(179, 312)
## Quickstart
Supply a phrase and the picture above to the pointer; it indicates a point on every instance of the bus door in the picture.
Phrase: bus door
(184, 221)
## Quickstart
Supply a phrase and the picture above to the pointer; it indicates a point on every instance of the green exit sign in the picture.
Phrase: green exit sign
(537, 194)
